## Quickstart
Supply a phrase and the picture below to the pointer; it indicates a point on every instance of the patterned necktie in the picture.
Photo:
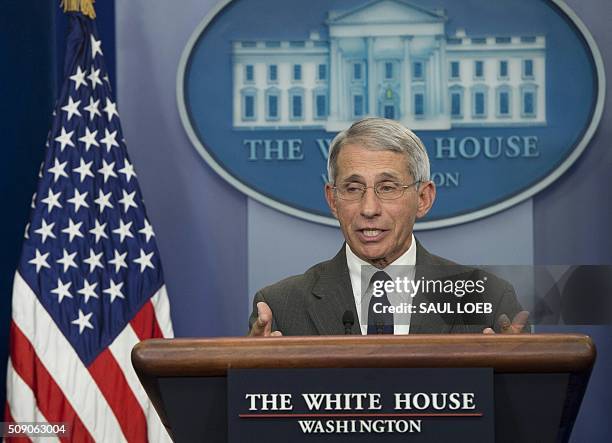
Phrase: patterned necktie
(380, 322)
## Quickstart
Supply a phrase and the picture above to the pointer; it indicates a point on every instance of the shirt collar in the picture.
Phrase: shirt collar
(356, 264)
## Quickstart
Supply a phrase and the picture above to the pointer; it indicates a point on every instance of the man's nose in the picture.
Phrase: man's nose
(370, 204)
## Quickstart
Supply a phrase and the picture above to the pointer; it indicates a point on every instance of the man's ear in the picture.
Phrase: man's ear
(427, 195)
(330, 196)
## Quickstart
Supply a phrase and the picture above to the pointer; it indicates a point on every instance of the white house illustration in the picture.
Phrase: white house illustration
(392, 59)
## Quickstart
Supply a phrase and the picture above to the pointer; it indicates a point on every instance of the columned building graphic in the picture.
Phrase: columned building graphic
(392, 59)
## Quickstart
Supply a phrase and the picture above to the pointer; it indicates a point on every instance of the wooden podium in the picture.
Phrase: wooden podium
(539, 379)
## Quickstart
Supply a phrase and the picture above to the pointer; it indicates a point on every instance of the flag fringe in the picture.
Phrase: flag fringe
(84, 6)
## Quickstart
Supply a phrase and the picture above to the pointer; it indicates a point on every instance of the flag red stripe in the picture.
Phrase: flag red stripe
(8, 418)
(7, 413)
(112, 383)
(145, 323)
(49, 397)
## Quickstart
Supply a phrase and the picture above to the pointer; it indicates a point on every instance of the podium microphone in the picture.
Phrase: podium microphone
(348, 319)
(380, 327)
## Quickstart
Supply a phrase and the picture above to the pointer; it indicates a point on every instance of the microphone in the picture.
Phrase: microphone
(380, 327)
(348, 319)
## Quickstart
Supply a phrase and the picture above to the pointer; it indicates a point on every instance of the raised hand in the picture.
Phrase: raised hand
(506, 326)
(262, 327)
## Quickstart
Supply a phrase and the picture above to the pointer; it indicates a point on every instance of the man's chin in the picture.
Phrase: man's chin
(371, 254)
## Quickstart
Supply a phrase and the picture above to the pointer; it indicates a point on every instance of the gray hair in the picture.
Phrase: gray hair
(384, 135)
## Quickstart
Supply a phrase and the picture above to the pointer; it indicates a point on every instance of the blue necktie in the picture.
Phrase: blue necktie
(379, 322)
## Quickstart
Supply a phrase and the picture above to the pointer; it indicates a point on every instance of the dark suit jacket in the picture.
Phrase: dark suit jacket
(314, 303)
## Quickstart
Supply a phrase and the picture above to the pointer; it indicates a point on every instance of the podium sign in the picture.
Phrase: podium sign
(360, 405)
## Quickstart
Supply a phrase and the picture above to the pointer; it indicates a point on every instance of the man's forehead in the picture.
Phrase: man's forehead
(356, 152)
(359, 162)
(381, 176)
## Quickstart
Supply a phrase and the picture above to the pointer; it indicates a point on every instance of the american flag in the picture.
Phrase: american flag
(89, 284)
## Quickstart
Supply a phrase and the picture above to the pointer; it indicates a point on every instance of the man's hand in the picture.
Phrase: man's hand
(263, 325)
(515, 327)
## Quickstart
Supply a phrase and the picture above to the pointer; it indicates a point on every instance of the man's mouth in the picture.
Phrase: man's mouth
(371, 234)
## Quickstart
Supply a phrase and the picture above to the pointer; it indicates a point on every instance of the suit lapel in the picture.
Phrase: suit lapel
(332, 296)
(428, 269)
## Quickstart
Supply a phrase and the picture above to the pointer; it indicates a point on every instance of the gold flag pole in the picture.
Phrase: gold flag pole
(84, 6)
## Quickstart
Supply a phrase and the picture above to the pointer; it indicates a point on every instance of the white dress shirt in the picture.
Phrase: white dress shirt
(361, 271)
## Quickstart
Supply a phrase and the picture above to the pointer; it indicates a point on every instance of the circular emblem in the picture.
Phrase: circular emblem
(505, 95)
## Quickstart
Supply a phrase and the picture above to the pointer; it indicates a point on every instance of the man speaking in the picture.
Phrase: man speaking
(379, 186)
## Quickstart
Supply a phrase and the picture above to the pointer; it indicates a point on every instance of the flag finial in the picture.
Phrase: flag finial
(84, 6)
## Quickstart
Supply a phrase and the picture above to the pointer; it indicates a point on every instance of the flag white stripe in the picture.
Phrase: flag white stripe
(22, 402)
(161, 304)
(59, 357)
(121, 349)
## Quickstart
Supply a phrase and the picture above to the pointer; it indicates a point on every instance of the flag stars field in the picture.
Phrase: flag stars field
(45, 230)
(109, 139)
(127, 170)
(40, 261)
(82, 321)
(94, 260)
(89, 139)
(99, 231)
(58, 170)
(78, 200)
(65, 139)
(110, 109)
(128, 200)
(103, 201)
(92, 108)
(88, 290)
(114, 290)
(147, 230)
(96, 47)
(144, 260)
(84, 170)
(94, 78)
(67, 260)
(62, 290)
(72, 108)
(78, 78)
(123, 230)
(118, 261)
(73, 230)
(52, 200)
(107, 170)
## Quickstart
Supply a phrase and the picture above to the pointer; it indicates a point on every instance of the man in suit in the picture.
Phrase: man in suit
(379, 186)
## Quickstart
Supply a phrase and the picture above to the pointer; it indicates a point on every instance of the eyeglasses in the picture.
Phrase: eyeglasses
(384, 190)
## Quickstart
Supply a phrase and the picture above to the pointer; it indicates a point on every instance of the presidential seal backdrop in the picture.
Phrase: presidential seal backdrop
(505, 95)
